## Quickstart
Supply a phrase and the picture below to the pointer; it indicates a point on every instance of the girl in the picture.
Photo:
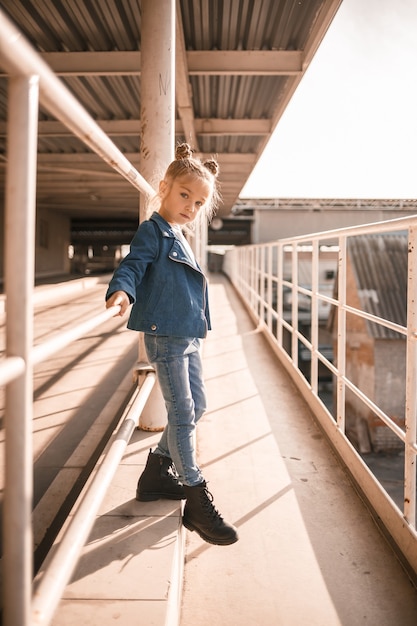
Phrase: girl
(162, 279)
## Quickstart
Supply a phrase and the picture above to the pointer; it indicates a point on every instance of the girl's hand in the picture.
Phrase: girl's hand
(119, 298)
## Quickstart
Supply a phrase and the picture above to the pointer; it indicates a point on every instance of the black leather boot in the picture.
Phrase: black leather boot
(201, 515)
(158, 480)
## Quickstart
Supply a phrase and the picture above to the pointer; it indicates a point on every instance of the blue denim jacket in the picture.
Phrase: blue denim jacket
(168, 292)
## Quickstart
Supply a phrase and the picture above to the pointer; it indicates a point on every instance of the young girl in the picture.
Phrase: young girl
(162, 279)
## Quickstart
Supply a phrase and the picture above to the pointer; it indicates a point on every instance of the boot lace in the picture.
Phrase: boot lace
(208, 506)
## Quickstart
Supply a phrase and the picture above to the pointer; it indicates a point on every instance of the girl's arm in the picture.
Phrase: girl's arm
(144, 250)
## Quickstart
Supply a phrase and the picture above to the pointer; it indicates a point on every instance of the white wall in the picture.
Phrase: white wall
(270, 224)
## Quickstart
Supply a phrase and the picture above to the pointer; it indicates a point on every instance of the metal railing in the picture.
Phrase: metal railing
(59, 567)
(284, 290)
(30, 80)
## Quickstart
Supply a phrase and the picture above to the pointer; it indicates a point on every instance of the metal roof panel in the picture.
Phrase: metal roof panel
(380, 267)
(249, 57)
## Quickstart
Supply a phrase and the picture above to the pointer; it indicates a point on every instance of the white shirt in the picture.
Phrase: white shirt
(178, 232)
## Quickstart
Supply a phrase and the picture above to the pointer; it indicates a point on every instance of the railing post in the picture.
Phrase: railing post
(19, 280)
(269, 287)
(294, 305)
(341, 335)
(314, 332)
(411, 383)
(257, 281)
(280, 291)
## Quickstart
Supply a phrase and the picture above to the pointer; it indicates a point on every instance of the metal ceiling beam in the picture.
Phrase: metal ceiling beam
(88, 158)
(215, 62)
(245, 62)
(187, 126)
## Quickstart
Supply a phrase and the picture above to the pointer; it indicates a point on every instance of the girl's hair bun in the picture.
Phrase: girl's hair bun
(212, 167)
(183, 151)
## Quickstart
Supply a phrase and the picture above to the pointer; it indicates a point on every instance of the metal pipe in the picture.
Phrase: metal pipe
(19, 58)
(11, 368)
(19, 279)
(410, 481)
(314, 326)
(44, 350)
(341, 336)
(59, 567)
(14, 366)
(294, 306)
(280, 293)
(399, 223)
(157, 137)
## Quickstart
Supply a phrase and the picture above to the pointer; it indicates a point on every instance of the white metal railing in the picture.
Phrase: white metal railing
(282, 286)
(59, 567)
(31, 81)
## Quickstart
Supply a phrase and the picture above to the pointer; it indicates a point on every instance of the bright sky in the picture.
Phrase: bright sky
(350, 130)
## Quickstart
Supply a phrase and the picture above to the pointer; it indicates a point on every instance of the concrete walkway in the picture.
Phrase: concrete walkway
(309, 552)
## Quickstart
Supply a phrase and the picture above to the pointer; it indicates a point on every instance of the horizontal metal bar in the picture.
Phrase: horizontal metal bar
(400, 223)
(60, 564)
(44, 350)
(383, 416)
(10, 368)
(378, 320)
(199, 62)
(350, 309)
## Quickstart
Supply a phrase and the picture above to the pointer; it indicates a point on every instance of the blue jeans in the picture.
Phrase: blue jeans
(177, 362)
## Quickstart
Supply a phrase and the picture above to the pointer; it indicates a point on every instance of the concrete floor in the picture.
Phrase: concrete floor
(309, 552)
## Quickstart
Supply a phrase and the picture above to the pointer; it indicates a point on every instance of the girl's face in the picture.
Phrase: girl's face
(182, 199)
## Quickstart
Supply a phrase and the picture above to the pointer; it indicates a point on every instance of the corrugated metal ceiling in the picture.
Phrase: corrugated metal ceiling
(244, 61)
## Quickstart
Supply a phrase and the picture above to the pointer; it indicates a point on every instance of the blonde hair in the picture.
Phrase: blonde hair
(185, 164)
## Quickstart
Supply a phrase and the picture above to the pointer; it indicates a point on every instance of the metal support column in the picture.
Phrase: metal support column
(157, 138)
(410, 480)
(19, 280)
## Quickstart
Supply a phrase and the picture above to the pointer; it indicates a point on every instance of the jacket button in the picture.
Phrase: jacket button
(153, 327)
(175, 254)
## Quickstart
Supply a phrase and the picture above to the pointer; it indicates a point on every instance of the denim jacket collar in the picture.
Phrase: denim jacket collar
(177, 252)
